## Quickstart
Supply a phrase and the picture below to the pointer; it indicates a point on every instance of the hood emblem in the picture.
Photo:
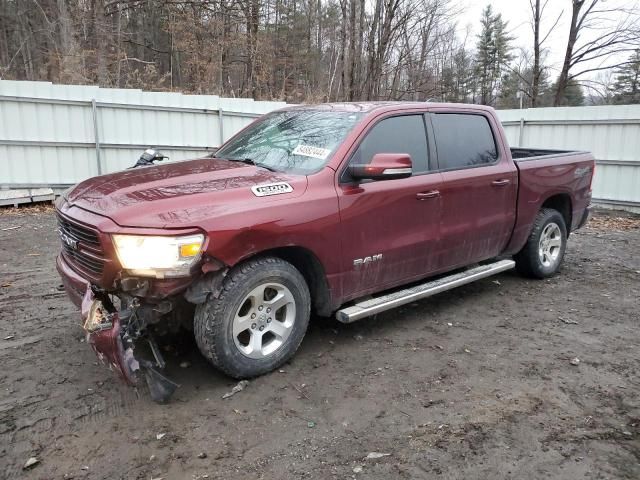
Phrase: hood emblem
(271, 189)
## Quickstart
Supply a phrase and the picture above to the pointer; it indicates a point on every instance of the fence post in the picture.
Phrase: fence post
(96, 135)
(521, 132)
(220, 120)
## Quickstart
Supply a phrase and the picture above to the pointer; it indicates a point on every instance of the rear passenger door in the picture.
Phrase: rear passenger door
(389, 227)
(479, 189)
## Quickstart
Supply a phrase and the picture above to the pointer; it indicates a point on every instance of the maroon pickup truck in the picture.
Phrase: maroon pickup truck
(345, 209)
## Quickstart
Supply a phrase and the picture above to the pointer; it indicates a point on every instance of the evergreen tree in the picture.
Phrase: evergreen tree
(573, 96)
(484, 53)
(512, 83)
(457, 77)
(492, 54)
(521, 79)
(626, 88)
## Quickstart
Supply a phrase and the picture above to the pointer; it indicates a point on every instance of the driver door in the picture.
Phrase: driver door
(389, 227)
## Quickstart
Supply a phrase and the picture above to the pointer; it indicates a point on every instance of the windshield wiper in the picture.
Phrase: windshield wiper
(249, 161)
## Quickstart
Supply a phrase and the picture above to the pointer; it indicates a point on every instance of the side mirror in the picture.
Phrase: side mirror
(383, 166)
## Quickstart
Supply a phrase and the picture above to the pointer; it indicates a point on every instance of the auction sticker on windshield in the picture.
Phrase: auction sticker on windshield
(309, 151)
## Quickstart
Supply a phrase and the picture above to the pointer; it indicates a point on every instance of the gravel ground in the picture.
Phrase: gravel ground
(473, 383)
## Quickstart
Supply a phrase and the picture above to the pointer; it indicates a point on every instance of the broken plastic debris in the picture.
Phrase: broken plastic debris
(374, 455)
(30, 463)
(568, 321)
(242, 384)
(574, 361)
(160, 436)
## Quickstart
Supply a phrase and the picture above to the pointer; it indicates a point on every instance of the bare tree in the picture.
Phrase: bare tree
(603, 39)
(293, 50)
(537, 14)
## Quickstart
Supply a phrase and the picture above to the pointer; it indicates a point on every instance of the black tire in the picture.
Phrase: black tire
(214, 319)
(529, 261)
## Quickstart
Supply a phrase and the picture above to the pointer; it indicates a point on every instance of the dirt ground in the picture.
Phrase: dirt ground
(473, 383)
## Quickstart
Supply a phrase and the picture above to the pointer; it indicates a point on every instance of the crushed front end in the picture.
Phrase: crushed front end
(122, 313)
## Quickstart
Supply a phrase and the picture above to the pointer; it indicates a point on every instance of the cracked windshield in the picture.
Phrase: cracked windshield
(298, 141)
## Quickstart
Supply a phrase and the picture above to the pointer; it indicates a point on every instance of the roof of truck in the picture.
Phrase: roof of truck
(383, 105)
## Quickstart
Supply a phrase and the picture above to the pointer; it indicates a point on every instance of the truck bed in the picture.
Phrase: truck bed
(545, 173)
(523, 154)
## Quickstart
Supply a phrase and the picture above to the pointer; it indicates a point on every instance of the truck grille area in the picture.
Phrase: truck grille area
(81, 247)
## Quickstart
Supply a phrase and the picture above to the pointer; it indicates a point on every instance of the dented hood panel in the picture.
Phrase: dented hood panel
(179, 194)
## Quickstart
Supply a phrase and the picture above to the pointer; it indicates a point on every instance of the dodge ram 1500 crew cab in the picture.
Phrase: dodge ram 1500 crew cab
(346, 209)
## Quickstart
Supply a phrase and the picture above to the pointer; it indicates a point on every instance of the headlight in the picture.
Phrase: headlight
(158, 256)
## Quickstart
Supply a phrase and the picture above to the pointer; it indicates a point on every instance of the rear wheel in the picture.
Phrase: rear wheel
(543, 253)
(258, 320)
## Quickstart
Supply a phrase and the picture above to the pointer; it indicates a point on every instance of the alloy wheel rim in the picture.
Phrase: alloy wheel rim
(550, 244)
(264, 320)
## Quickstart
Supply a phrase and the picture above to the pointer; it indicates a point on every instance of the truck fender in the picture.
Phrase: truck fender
(209, 284)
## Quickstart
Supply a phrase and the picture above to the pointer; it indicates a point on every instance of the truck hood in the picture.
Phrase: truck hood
(178, 194)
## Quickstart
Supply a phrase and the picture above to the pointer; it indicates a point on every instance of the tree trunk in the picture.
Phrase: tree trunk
(563, 79)
(371, 41)
(100, 40)
(535, 81)
(343, 46)
(352, 49)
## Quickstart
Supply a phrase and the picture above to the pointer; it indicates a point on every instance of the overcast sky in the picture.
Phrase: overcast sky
(518, 15)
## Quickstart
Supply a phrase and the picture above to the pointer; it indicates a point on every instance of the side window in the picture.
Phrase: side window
(463, 140)
(404, 134)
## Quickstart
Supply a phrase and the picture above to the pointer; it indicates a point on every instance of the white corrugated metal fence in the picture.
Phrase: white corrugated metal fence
(57, 135)
(611, 133)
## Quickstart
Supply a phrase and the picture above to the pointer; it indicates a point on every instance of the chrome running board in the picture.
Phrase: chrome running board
(380, 304)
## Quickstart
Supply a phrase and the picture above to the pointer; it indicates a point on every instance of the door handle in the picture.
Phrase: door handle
(429, 194)
(501, 183)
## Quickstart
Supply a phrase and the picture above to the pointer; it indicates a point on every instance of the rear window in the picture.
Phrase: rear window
(463, 140)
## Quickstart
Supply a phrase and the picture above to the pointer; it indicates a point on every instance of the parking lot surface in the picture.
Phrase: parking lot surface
(479, 382)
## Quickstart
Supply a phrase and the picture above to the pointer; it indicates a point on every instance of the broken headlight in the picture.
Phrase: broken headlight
(158, 256)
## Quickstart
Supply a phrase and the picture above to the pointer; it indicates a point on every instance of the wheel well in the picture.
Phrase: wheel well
(312, 271)
(561, 203)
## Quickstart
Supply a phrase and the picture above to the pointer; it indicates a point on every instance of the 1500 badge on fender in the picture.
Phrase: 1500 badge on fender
(271, 189)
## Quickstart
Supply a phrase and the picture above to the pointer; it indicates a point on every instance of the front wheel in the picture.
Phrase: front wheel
(542, 255)
(258, 320)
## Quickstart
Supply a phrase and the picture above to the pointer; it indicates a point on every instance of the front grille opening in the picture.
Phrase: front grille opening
(81, 247)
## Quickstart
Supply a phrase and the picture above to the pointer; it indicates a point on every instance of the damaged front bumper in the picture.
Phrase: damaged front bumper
(113, 335)
(106, 337)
